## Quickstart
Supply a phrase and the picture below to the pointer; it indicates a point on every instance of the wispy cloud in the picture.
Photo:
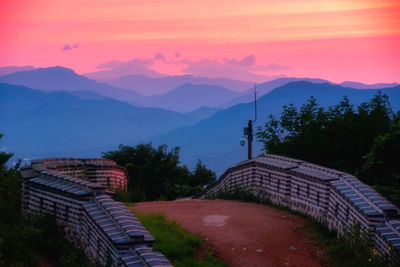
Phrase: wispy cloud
(243, 69)
(249, 60)
(69, 47)
(270, 67)
(115, 68)
(136, 63)
(159, 56)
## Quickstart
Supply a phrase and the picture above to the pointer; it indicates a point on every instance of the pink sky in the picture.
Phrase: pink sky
(338, 40)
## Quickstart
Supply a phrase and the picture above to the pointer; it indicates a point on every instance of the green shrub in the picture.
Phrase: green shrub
(177, 244)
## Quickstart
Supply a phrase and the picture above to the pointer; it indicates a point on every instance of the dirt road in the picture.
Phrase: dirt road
(243, 234)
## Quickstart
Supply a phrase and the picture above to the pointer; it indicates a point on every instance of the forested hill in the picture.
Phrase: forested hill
(216, 140)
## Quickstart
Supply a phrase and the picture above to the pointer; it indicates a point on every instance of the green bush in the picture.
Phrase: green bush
(177, 244)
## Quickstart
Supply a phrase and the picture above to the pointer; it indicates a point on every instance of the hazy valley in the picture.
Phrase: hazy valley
(56, 112)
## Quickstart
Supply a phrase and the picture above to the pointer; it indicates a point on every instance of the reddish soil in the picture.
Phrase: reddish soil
(243, 234)
(43, 262)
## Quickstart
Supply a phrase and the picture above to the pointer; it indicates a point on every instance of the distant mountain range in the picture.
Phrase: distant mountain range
(60, 113)
(49, 123)
(189, 97)
(358, 85)
(63, 79)
(11, 69)
(156, 86)
(185, 98)
(267, 87)
(107, 75)
(216, 139)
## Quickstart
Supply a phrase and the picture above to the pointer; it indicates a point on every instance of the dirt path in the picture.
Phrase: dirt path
(243, 234)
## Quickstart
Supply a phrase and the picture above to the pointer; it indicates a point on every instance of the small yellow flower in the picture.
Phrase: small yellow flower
(369, 260)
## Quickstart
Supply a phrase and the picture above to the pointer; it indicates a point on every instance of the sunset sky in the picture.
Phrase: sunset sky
(339, 40)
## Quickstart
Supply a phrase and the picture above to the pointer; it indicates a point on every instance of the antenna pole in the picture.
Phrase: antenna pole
(250, 127)
(250, 140)
(255, 103)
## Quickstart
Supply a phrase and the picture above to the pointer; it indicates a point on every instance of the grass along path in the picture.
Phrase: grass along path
(177, 244)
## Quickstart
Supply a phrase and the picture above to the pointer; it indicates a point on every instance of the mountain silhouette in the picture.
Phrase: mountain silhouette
(37, 123)
(156, 86)
(216, 140)
(189, 97)
(265, 88)
(64, 79)
(358, 85)
(11, 69)
(84, 123)
(185, 98)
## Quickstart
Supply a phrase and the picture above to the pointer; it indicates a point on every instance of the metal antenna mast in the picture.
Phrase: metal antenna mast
(249, 129)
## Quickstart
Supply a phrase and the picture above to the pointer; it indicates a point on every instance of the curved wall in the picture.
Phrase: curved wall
(105, 229)
(335, 198)
(96, 170)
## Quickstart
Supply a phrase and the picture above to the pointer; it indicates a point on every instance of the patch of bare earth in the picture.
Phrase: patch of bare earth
(243, 234)
(44, 262)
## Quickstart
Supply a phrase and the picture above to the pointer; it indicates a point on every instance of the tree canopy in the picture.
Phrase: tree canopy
(360, 140)
(154, 173)
(336, 137)
(10, 186)
(381, 167)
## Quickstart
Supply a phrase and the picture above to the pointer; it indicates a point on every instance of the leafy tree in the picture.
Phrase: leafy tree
(148, 168)
(122, 195)
(337, 137)
(202, 175)
(4, 157)
(10, 187)
(381, 167)
(154, 173)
